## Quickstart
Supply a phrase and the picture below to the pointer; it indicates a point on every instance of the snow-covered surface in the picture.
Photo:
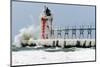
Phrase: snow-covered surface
(51, 55)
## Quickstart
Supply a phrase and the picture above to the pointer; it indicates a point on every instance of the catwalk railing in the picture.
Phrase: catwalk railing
(74, 32)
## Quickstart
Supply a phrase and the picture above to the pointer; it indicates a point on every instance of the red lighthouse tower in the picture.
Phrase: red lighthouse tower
(46, 23)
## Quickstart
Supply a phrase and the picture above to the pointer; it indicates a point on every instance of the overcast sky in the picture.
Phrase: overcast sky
(25, 14)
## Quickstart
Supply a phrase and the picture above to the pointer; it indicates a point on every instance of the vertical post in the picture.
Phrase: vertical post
(89, 30)
(59, 33)
(82, 31)
(53, 33)
(66, 32)
(74, 31)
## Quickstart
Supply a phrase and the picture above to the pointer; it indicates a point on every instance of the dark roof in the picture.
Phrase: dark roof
(48, 12)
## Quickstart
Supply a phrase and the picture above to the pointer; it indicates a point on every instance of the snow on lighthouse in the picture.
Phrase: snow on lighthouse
(46, 23)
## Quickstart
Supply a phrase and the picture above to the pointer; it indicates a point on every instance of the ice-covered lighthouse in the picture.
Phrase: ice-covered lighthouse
(46, 23)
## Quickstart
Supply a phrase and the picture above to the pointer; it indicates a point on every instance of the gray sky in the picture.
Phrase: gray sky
(25, 14)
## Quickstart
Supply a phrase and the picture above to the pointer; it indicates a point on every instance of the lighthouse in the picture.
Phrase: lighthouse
(46, 23)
